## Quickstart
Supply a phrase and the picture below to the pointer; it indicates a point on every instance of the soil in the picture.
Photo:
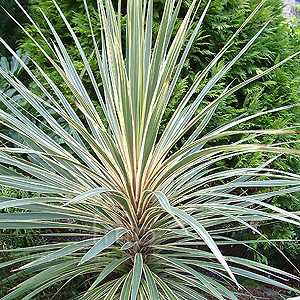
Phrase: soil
(263, 293)
(266, 293)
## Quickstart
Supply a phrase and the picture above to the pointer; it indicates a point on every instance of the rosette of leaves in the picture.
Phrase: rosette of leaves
(149, 217)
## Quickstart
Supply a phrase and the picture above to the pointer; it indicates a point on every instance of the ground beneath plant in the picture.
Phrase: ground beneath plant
(261, 293)
(267, 293)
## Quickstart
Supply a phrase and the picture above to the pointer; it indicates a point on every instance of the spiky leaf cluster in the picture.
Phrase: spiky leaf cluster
(148, 215)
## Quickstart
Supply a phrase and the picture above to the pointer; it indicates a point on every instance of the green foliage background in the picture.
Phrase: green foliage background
(9, 31)
(222, 19)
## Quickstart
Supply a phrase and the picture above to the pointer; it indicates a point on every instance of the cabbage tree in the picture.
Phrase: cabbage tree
(148, 218)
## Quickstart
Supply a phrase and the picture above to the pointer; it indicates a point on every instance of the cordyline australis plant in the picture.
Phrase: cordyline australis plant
(152, 217)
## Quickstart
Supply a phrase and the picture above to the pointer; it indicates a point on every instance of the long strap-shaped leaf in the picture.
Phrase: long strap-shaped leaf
(151, 283)
(87, 194)
(107, 270)
(136, 275)
(201, 232)
(60, 253)
(125, 293)
(105, 242)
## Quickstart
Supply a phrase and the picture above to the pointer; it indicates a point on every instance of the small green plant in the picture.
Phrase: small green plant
(13, 67)
(17, 238)
(14, 238)
(148, 213)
